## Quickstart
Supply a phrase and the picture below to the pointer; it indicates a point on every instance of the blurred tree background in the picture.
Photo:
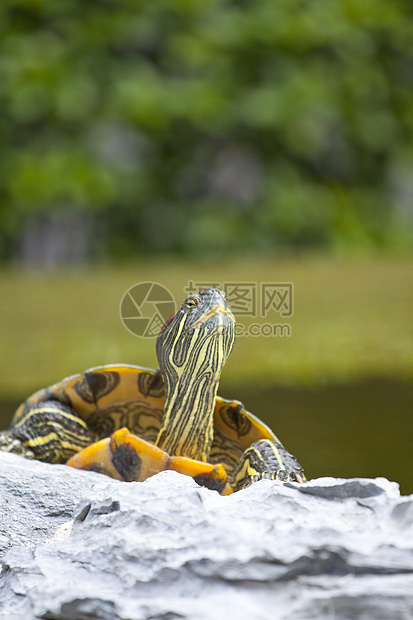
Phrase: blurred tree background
(193, 127)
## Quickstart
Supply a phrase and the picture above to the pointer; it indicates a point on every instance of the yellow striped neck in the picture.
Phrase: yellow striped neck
(188, 424)
(192, 349)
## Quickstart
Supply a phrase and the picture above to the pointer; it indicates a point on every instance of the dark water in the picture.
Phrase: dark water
(361, 429)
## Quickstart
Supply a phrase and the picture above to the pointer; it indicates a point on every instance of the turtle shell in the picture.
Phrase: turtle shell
(110, 397)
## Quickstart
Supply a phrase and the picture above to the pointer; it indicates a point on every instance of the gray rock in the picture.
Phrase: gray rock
(77, 545)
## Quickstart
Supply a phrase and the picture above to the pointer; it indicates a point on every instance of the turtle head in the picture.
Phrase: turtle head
(192, 348)
(204, 322)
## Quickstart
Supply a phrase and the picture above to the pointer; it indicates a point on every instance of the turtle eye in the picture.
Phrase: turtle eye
(191, 302)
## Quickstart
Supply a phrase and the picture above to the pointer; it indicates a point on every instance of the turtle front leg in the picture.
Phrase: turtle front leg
(49, 432)
(125, 456)
(267, 459)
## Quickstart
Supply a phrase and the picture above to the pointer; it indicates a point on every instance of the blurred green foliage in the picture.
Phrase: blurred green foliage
(194, 125)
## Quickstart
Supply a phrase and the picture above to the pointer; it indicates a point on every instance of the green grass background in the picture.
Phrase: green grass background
(353, 319)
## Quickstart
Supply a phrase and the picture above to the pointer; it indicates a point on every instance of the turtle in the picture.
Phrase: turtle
(130, 422)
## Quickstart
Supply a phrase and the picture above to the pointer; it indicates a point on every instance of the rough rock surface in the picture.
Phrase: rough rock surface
(77, 545)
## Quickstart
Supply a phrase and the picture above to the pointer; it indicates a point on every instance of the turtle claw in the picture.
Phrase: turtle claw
(267, 458)
(124, 456)
(213, 477)
(10, 443)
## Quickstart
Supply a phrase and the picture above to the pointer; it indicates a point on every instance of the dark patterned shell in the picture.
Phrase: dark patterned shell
(110, 397)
